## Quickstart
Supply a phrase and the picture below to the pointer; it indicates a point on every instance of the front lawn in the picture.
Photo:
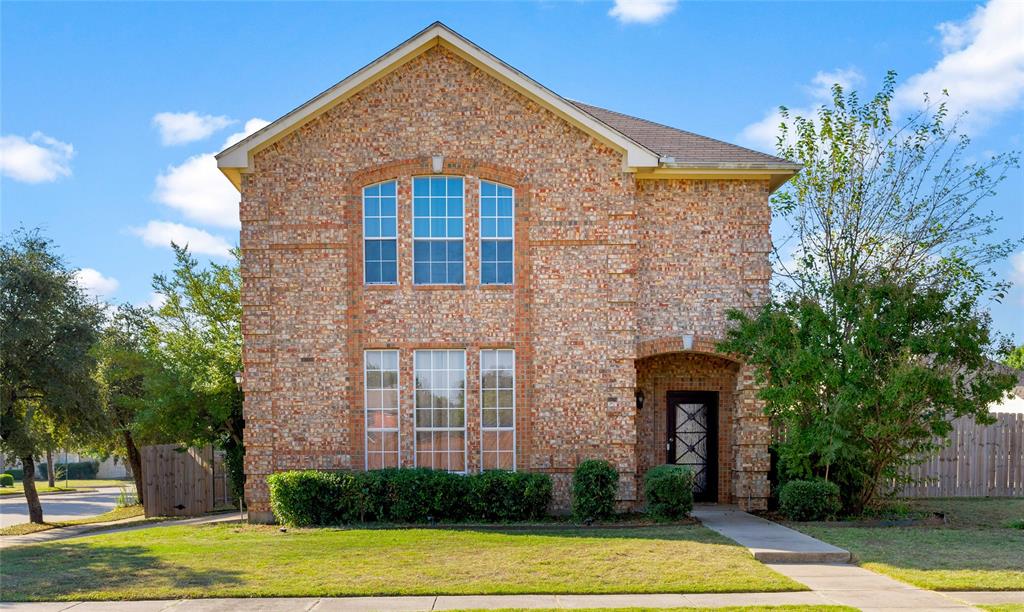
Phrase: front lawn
(116, 514)
(261, 561)
(975, 551)
(725, 609)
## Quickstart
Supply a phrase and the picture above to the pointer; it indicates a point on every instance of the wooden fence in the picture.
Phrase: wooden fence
(979, 461)
(183, 482)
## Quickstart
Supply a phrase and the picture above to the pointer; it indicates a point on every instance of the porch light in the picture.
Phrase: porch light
(639, 399)
(437, 163)
(238, 379)
(687, 342)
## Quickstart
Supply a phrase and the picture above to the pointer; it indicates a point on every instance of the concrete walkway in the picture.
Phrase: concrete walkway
(769, 542)
(445, 602)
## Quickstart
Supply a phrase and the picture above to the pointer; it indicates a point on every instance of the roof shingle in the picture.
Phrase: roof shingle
(686, 147)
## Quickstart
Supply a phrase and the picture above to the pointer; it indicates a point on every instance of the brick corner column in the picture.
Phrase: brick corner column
(751, 436)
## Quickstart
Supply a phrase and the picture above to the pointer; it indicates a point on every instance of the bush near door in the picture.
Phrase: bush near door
(809, 500)
(668, 490)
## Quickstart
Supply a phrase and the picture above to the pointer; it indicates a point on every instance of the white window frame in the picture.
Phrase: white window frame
(398, 409)
(515, 401)
(412, 227)
(362, 230)
(480, 236)
(465, 410)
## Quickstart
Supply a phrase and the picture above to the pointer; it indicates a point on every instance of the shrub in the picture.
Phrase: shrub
(17, 473)
(498, 495)
(668, 490)
(76, 470)
(398, 495)
(594, 484)
(310, 497)
(809, 500)
(6, 480)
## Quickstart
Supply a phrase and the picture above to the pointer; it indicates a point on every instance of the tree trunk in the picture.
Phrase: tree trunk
(35, 509)
(135, 462)
(49, 468)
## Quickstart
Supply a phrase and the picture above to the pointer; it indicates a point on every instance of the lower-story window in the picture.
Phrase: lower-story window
(440, 408)
(381, 402)
(498, 409)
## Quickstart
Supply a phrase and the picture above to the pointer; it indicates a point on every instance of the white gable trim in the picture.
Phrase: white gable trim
(237, 159)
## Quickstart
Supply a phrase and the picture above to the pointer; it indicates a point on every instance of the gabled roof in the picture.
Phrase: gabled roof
(650, 149)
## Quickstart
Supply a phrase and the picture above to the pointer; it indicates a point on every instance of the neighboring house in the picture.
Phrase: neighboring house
(447, 265)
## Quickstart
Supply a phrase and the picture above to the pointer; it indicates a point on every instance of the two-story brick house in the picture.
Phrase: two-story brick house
(446, 264)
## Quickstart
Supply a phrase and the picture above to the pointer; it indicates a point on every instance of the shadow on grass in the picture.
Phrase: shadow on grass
(67, 569)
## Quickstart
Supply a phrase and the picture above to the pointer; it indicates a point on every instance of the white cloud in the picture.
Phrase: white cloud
(163, 233)
(95, 284)
(199, 190)
(982, 66)
(764, 134)
(156, 300)
(38, 159)
(182, 128)
(642, 11)
(1017, 261)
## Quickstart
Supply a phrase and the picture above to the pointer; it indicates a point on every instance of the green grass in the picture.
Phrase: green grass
(1003, 607)
(116, 514)
(260, 561)
(71, 485)
(976, 550)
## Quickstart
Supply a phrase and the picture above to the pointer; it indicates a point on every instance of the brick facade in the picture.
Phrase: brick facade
(610, 273)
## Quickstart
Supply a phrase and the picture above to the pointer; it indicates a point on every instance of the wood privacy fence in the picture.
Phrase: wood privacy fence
(979, 461)
(183, 482)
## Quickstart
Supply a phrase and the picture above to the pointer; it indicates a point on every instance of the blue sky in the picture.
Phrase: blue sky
(110, 111)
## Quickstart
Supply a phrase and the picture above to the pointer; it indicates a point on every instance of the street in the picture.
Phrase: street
(59, 507)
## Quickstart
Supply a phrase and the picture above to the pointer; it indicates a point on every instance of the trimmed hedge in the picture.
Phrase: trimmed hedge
(668, 490)
(594, 485)
(416, 495)
(76, 470)
(16, 473)
(809, 500)
(6, 480)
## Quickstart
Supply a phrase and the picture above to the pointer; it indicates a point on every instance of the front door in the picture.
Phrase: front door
(693, 438)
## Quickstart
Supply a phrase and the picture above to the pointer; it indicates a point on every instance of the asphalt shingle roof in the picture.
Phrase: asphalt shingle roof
(685, 147)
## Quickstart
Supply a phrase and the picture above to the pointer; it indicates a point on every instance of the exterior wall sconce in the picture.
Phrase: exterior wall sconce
(437, 163)
(687, 342)
(239, 379)
(639, 395)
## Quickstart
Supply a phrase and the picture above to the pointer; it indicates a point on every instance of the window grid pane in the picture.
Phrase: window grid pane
(381, 409)
(497, 225)
(497, 409)
(440, 409)
(380, 233)
(437, 230)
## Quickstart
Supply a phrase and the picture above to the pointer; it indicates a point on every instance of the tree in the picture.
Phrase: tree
(1016, 358)
(47, 329)
(126, 367)
(863, 386)
(876, 336)
(876, 196)
(196, 338)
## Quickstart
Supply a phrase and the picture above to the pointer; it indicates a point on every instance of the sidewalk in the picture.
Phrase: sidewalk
(769, 542)
(449, 602)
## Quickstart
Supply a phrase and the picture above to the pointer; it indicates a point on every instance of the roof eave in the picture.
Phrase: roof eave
(776, 173)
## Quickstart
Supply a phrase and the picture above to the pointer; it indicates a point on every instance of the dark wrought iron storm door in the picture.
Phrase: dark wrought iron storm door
(692, 438)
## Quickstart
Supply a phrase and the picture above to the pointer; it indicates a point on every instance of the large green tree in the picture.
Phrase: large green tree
(877, 335)
(48, 327)
(195, 337)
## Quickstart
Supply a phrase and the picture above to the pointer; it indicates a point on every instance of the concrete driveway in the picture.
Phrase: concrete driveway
(59, 507)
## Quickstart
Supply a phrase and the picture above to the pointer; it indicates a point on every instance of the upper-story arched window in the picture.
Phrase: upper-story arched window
(438, 230)
(497, 224)
(380, 234)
